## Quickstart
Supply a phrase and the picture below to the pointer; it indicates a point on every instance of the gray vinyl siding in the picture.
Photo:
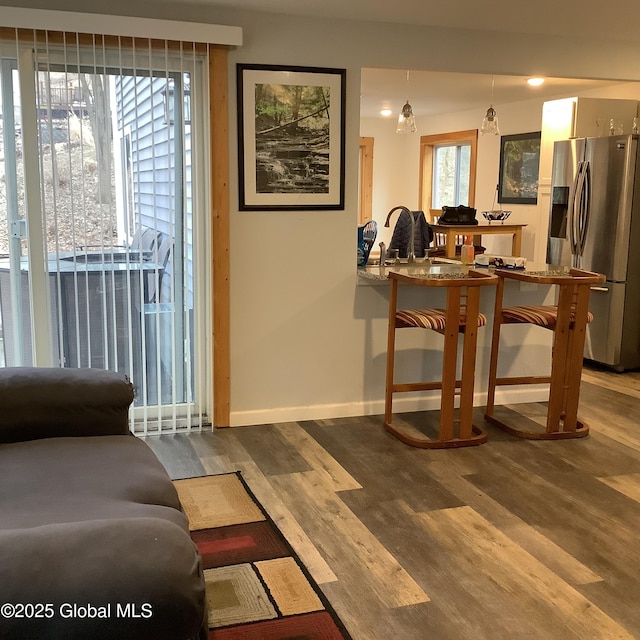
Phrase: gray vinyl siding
(155, 177)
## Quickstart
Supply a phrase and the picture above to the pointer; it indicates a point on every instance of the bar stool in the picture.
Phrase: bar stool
(461, 315)
(568, 320)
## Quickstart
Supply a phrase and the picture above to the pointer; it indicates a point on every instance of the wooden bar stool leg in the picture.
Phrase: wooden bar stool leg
(558, 360)
(449, 364)
(574, 363)
(391, 351)
(495, 345)
(469, 363)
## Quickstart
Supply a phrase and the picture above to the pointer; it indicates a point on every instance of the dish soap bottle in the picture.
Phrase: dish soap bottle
(466, 251)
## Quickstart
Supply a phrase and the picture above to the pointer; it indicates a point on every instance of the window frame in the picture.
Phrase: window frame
(428, 145)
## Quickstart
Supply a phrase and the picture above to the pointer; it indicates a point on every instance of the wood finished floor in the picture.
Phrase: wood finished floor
(512, 539)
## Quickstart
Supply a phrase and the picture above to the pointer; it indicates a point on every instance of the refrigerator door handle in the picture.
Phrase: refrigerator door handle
(572, 208)
(585, 209)
(575, 213)
(599, 289)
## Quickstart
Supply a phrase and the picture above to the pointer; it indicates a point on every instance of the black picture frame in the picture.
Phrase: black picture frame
(291, 137)
(519, 168)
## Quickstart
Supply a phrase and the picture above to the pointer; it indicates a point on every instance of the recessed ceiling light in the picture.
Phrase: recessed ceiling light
(385, 112)
(535, 82)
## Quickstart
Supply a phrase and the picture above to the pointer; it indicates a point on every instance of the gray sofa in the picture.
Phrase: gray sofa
(93, 540)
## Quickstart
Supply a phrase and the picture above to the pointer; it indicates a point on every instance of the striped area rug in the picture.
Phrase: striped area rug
(257, 587)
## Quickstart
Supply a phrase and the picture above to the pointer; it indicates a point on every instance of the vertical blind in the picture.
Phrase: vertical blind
(102, 253)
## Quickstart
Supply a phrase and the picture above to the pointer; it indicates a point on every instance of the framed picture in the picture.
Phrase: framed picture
(290, 137)
(519, 167)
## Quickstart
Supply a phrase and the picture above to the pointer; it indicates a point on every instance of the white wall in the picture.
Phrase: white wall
(305, 341)
(396, 161)
(317, 341)
(321, 353)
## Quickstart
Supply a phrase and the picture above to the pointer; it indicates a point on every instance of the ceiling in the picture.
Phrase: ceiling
(432, 93)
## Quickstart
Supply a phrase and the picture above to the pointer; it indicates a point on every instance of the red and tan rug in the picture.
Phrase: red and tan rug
(257, 587)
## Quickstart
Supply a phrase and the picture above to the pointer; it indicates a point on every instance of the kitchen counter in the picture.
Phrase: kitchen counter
(375, 274)
(442, 267)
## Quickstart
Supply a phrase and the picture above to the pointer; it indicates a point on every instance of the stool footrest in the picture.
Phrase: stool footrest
(414, 438)
(420, 386)
(581, 431)
(523, 380)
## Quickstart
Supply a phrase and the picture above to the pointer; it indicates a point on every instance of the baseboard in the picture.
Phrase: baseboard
(532, 393)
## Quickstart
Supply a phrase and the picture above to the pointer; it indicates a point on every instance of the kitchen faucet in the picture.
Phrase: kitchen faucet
(411, 256)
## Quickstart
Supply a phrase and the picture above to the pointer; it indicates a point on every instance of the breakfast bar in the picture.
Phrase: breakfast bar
(525, 351)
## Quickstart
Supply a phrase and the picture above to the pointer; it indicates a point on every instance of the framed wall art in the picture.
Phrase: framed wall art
(519, 168)
(291, 123)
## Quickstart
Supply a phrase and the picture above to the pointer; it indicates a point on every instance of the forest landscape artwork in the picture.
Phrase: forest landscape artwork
(292, 139)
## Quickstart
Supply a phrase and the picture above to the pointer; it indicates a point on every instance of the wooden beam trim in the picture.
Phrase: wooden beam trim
(220, 233)
(366, 180)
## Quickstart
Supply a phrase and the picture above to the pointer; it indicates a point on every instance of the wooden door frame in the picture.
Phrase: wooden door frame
(365, 208)
(220, 233)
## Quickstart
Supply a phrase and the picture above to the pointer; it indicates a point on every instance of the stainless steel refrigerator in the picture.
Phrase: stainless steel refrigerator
(594, 224)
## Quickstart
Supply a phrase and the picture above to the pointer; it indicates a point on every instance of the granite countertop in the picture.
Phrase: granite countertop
(374, 274)
(444, 267)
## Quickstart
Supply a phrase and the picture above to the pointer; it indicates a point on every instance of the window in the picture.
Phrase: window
(106, 198)
(447, 171)
(450, 175)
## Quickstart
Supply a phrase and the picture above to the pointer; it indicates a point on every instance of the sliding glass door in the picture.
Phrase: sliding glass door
(100, 265)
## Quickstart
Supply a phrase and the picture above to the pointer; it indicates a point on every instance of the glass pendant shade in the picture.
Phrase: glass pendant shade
(406, 120)
(490, 123)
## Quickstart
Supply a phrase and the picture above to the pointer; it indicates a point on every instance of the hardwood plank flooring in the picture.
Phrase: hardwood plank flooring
(513, 539)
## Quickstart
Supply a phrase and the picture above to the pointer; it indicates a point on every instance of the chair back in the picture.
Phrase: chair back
(366, 237)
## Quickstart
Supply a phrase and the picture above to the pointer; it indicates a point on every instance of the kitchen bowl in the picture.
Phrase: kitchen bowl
(490, 216)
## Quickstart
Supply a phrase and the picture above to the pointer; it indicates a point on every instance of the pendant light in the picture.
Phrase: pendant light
(406, 119)
(490, 121)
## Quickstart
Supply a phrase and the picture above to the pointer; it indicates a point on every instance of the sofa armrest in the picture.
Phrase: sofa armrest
(38, 402)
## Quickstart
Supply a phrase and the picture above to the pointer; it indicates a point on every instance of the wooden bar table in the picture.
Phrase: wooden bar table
(477, 231)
